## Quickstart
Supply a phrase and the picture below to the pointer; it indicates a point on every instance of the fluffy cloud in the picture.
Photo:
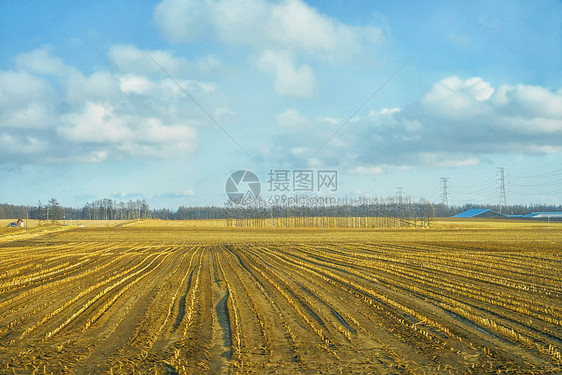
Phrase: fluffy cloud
(20, 145)
(40, 61)
(96, 124)
(289, 24)
(130, 59)
(463, 98)
(456, 123)
(25, 100)
(53, 113)
(291, 118)
(367, 171)
(279, 33)
(180, 20)
(289, 79)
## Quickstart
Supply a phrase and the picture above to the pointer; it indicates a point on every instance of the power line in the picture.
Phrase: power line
(547, 174)
(537, 193)
(483, 189)
(549, 183)
(488, 181)
(543, 181)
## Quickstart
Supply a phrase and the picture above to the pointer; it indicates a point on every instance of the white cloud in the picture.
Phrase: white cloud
(455, 98)
(367, 170)
(54, 113)
(95, 157)
(456, 123)
(384, 111)
(180, 137)
(300, 151)
(134, 84)
(289, 24)
(291, 118)
(331, 120)
(20, 145)
(17, 87)
(98, 87)
(31, 116)
(289, 79)
(534, 101)
(295, 25)
(531, 125)
(172, 195)
(129, 134)
(40, 61)
(96, 123)
(164, 90)
(237, 22)
(130, 59)
(543, 149)
(280, 33)
(25, 101)
(447, 159)
(181, 20)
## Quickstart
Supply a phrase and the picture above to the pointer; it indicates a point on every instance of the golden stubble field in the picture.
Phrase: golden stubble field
(158, 297)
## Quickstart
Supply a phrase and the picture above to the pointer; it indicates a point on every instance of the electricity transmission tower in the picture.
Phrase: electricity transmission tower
(399, 192)
(501, 186)
(444, 191)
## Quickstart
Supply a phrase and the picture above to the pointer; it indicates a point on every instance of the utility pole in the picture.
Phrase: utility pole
(444, 191)
(501, 186)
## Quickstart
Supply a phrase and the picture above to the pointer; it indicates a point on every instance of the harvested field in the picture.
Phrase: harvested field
(167, 298)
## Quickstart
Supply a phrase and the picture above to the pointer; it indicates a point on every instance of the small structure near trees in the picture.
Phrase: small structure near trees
(17, 224)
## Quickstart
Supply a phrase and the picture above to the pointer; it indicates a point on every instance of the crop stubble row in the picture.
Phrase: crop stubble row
(172, 305)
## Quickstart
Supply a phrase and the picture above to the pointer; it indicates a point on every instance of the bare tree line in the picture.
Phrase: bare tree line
(102, 209)
(362, 207)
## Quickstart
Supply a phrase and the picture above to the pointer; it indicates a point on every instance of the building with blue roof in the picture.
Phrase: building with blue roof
(479, 212)
(544, 215)
(487, 212)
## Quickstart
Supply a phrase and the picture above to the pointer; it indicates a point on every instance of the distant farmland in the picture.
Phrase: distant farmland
(160, 297)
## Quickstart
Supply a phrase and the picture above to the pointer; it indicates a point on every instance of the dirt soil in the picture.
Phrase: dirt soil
(157, 299)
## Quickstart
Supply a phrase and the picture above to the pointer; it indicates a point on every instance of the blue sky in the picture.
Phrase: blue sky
(86, 113)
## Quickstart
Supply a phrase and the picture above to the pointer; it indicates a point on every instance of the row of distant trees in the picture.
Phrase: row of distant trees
(103, 209)
(109, 209)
